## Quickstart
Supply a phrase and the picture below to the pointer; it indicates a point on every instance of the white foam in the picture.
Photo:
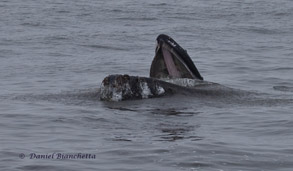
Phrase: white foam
(145, 90)
(127, 89)
(110, 93)
(185, 82)
(116, 95)
(160, 90)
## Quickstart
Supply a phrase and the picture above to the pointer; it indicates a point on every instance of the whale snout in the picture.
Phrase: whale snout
(125, 87)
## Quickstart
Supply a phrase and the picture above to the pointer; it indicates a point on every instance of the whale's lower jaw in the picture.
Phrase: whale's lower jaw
(125, 87)
(172, 61)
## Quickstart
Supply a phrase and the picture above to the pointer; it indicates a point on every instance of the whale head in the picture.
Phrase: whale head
(170, 65)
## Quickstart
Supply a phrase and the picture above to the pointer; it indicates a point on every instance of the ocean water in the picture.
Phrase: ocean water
(55, 54)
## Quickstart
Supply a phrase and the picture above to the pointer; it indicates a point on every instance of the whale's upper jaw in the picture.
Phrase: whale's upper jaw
(172, 61)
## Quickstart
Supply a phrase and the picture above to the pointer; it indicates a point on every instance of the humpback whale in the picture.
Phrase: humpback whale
(172, 70)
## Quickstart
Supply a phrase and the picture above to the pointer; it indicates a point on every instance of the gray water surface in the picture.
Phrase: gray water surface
(55, 54)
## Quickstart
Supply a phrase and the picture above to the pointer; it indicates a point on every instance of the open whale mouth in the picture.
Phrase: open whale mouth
(172, 61)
